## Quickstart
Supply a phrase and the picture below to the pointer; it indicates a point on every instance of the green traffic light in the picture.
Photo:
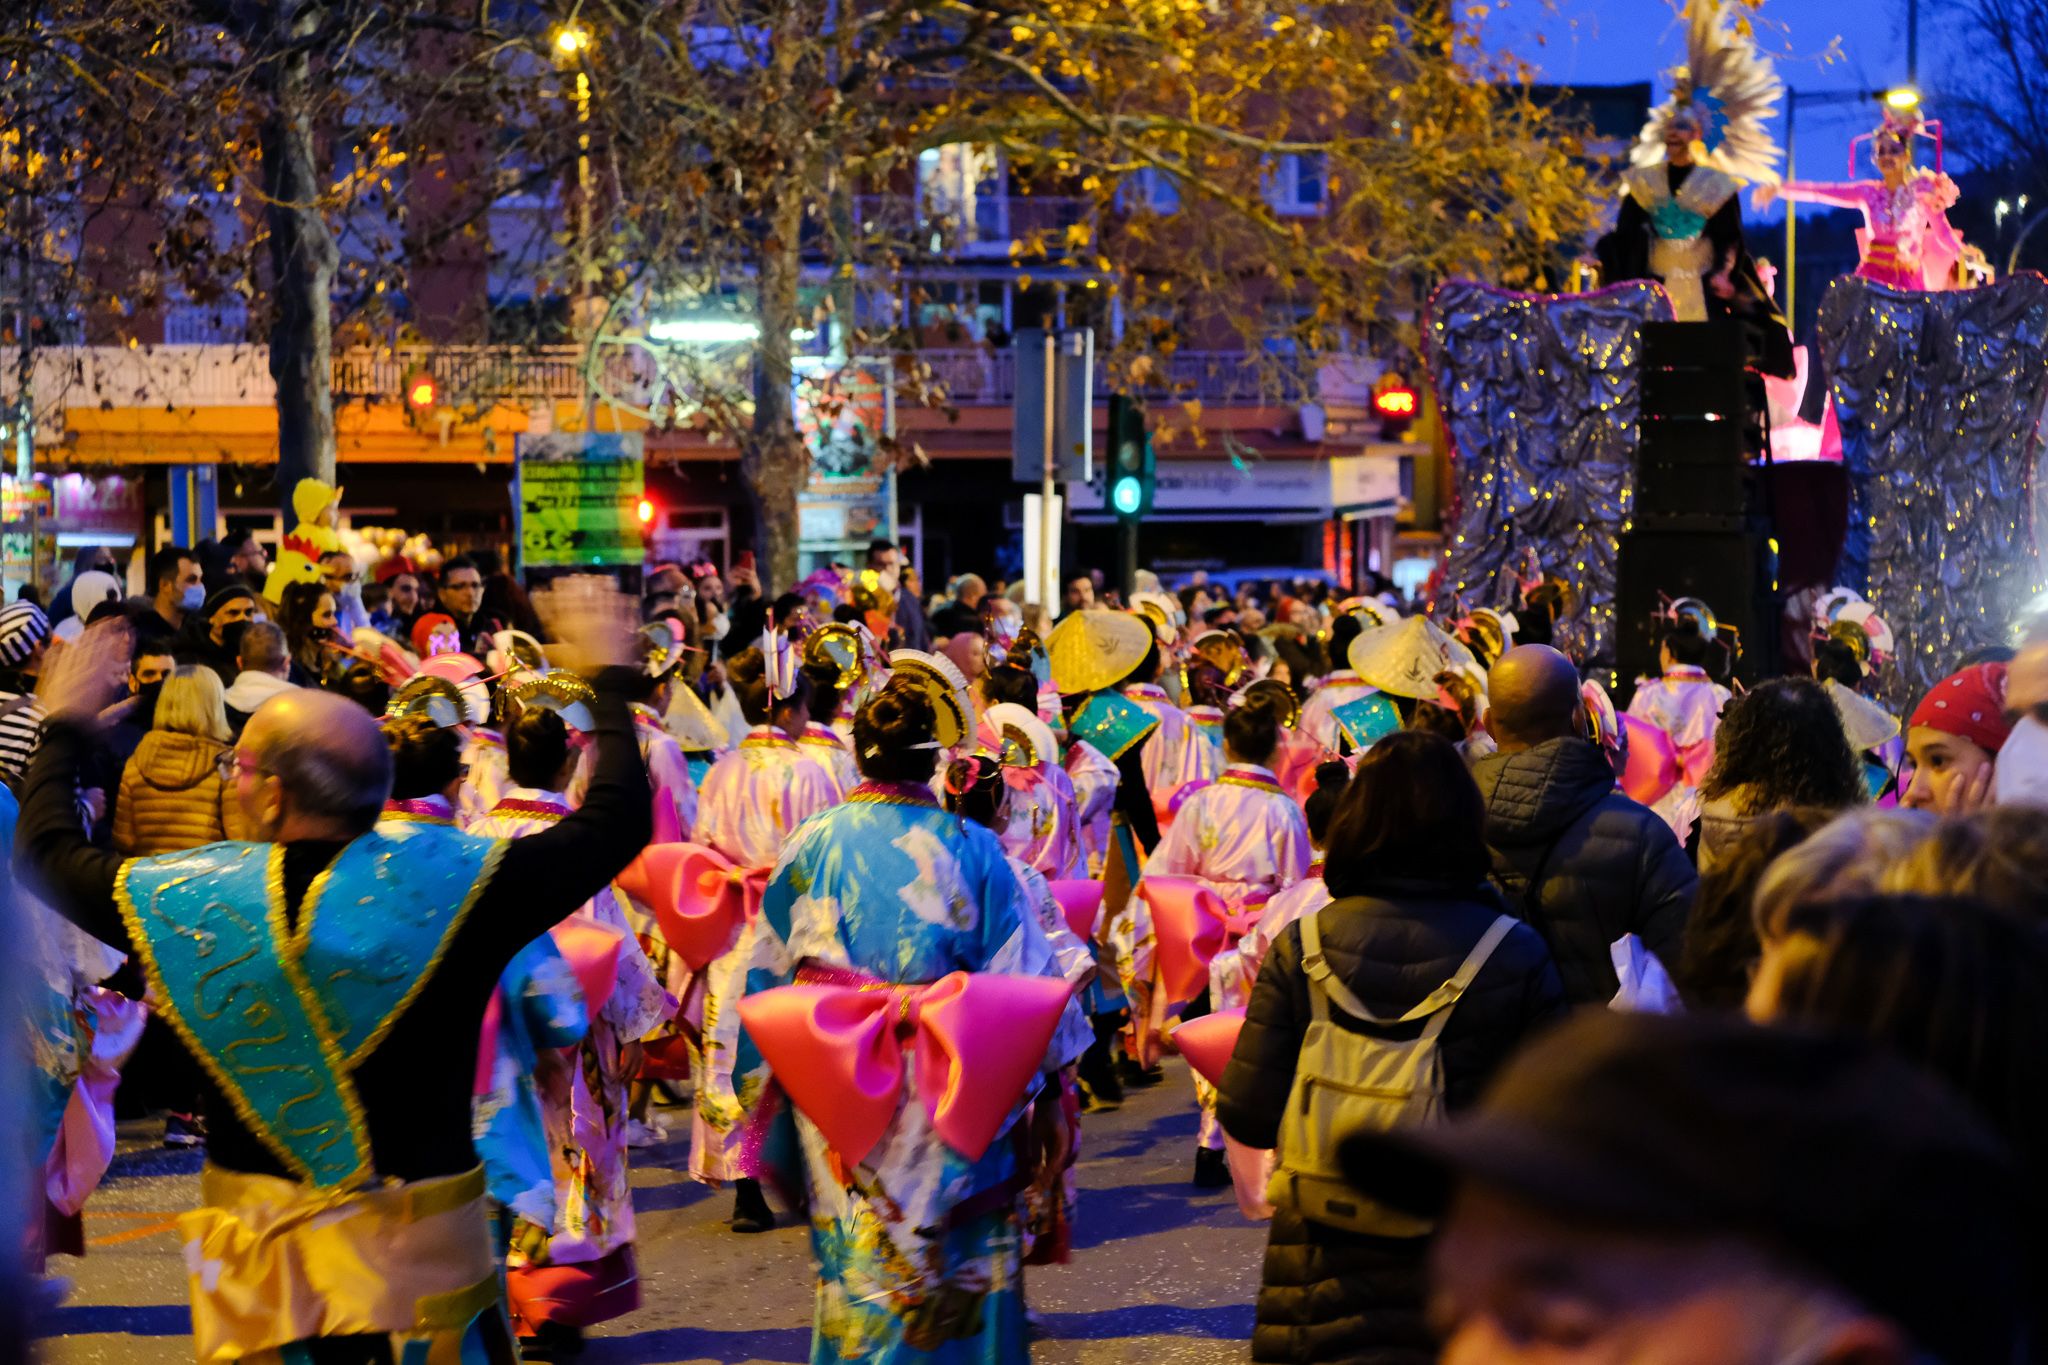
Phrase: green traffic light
(1127, 495)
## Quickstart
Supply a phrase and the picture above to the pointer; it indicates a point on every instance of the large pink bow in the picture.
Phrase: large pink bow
(1081, 903)
(839, 1051)
(1207, 1042)
(700, 898)
(1191, 923)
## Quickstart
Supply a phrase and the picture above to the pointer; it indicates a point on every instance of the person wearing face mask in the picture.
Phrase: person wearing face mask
(310, 623)
(345, 585)
(213, 634)
(133, 718)
(175, 589)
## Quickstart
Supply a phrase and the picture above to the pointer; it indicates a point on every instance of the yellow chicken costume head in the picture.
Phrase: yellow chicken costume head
(318, 506)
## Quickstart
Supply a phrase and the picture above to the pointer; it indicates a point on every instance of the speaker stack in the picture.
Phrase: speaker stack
(1701, 524)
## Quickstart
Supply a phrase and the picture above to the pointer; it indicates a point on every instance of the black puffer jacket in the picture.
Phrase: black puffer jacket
(1608, 866)
(1327, 1294)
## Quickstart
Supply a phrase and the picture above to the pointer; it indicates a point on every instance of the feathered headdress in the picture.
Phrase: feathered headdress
(1728, 89)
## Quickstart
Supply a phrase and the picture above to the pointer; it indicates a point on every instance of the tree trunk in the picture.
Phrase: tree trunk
(776, 463)
(302, 261)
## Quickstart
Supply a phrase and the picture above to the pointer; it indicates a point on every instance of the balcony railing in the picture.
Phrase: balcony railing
(239, 376)
(997, 220)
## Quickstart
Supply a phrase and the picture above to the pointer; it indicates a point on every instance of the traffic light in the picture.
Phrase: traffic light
(1131, 468)
(422, 393)
(645, 512)
(1396, 404)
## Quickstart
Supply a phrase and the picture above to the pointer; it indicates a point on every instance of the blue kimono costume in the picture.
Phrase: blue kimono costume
(918, 1248)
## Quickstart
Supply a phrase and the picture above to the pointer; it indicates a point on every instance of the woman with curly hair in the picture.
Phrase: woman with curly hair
(1778, 746)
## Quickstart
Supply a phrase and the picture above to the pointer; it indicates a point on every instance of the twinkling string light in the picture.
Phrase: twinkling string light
(1539, 397)
(1937, 396)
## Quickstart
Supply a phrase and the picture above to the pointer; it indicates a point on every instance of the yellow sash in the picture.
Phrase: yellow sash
(275, 1261)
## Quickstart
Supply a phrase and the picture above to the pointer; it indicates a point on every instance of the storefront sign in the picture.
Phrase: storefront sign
(577, 499)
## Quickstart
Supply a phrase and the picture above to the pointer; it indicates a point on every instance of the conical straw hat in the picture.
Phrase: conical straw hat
(1405, 657)
(1094, 650)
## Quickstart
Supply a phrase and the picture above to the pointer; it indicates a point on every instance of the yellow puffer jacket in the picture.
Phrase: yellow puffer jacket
(172, 797)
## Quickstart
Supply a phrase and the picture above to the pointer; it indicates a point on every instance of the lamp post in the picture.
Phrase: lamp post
(1792, 102)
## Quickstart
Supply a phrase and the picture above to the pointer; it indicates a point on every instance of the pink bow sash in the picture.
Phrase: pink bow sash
(1191, 923)
(1207, 1042)
(700, 898)
(838, 1051)
(1081, 903)
(591, 951)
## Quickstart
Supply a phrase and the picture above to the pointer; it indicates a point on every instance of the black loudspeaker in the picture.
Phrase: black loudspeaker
(1696, 429)
(1732, 571)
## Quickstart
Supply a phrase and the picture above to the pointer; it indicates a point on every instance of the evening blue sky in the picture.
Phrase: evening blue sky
(1615, 41)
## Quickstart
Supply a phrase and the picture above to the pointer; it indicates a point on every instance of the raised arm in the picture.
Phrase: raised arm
(544, 877)
(51, 850)
(1850, 194)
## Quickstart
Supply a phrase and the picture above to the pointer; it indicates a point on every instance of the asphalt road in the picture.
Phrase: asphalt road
(1161, 1272)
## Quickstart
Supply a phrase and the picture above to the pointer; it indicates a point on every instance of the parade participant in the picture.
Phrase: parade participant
(976, 788)
(1401, 661)
(1318, 720)
(1232, 971)
(1174, 756)
(832, 659)
(1681, 222)
(751, 801)
(1243, 838)
(539, 1005)
(1684, 701)
(1089, 652)
(1906, 239)
(364, 1214)
(1040, 822)
(913, 1216)
(1850, 643)
(1953, 739)
(668, 773)
(583, 1272)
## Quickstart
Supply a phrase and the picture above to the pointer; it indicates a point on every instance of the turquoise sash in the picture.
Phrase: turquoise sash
(1112, 724)
(280, 1020)
(1367, 721)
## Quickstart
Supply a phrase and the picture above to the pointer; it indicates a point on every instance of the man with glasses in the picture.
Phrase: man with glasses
(342, 1194)
(462, 597)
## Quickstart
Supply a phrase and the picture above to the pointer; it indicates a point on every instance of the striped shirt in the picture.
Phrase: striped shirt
(21, 729)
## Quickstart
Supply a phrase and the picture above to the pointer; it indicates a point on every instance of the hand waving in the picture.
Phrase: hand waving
(82, 678)
(594, 624)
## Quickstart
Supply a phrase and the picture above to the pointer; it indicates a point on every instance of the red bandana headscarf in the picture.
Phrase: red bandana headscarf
(1970, 704)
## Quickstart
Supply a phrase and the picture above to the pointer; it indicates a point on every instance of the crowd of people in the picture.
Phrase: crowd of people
(1536, 1028)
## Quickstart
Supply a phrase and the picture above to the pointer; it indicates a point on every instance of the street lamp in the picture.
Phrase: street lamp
(1902, 98)
(571, 39)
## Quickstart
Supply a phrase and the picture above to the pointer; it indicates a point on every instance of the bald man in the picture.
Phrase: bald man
(1585, 864)
(331, 980)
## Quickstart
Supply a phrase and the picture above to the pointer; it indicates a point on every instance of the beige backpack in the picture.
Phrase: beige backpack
(1346, 1081)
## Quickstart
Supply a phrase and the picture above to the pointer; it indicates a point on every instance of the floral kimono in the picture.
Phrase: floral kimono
(1247, 839)
(751, 802)
(1041, 821)
(919, 1249)
(582, 1273)
(1093, 778)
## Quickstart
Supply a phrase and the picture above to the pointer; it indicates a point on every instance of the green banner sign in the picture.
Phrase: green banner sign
(578, 499)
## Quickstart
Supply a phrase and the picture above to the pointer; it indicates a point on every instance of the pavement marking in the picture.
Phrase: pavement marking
(164, 1223)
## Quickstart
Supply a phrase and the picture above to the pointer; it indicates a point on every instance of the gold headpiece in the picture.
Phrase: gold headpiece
(560, 691)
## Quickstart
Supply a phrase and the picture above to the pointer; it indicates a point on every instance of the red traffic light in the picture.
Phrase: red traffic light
(421, 392)
(644, 511)
(1395, 403)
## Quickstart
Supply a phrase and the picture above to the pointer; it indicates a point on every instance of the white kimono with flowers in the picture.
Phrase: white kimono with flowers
(752, 800)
